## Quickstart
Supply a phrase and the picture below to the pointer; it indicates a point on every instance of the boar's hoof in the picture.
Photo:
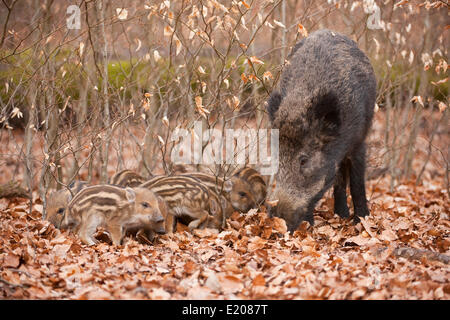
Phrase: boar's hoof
(361, 213)
(341, 210)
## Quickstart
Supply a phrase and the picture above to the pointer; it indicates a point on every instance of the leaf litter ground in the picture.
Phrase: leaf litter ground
(253, 258)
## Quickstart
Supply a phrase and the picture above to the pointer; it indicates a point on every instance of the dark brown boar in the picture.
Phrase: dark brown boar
(323, 110)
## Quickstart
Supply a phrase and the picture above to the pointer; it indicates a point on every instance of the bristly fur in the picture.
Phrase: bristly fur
(323, 110)
(127, 178)
(189, 200)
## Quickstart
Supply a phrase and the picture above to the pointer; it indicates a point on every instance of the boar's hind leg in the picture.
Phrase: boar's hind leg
(357, 185)
(340, 190)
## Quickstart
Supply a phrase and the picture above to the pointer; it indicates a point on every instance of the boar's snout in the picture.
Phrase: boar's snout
(290, 215)
(292, 208)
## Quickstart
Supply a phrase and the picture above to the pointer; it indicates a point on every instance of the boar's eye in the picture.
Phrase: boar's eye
(242, 194)
(60, 211)
(145, 204)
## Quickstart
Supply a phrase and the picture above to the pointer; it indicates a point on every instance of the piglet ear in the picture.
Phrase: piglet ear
(228, 186)
(130, 194)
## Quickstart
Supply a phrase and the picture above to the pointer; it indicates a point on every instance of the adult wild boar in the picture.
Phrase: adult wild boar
(323, 110)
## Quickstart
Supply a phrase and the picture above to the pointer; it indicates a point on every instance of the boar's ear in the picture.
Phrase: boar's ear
(326, 110)
(130, 194)
(273, 104)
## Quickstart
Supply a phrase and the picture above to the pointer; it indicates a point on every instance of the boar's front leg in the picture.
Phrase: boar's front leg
(357, 183)
(340, 190)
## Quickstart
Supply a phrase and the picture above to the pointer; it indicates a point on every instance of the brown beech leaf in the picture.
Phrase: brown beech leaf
(230, 284)
(279, 225)
(206, 233)
(11, 260)
(359, 240)
(61, 249)
(190, 267)
(256, 243)
(259, 280)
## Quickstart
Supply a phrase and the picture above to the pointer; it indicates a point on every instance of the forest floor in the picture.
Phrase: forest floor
(254, 258)
(400, 251)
